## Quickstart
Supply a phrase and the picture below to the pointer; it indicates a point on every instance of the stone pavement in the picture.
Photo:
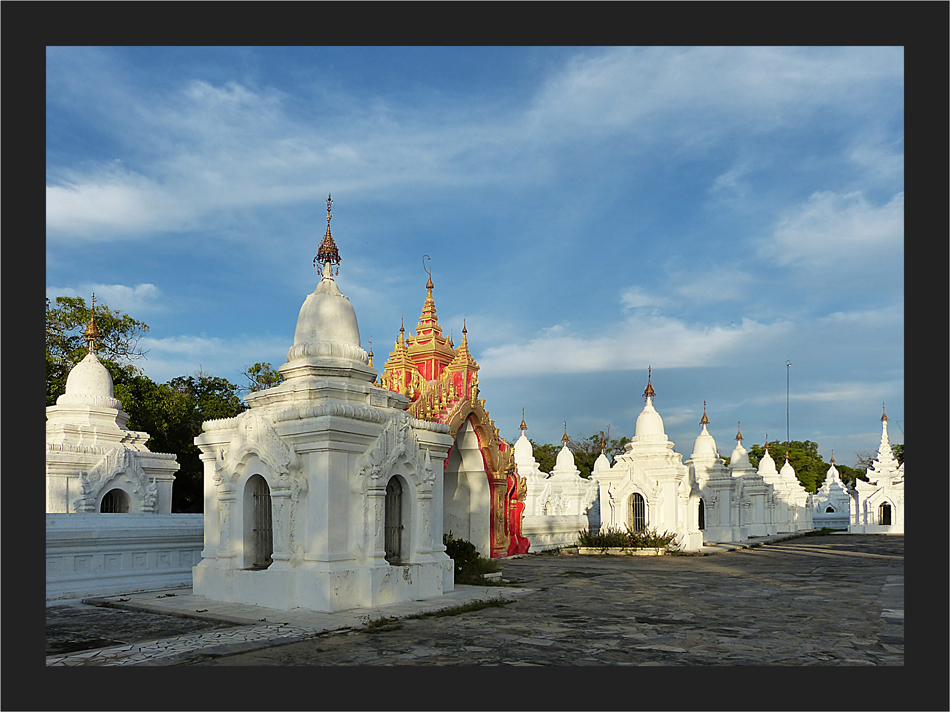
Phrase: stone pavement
(834, 599)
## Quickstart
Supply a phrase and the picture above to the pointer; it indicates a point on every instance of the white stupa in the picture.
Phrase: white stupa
(94, 463)
(878, 503)
(325, 494)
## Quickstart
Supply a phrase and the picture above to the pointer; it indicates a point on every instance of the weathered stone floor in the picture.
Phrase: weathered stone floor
(821, 600)
(815, 600)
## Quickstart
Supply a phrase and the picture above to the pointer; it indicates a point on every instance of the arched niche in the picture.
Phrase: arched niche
(257, 523)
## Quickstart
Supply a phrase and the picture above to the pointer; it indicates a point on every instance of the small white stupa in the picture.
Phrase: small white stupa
(832, 501)
(94, 463)
(878, 504)
(716, 488)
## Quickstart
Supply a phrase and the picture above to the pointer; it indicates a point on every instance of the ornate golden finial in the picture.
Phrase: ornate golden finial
(786, 454)
(649, 392)
(766, 442)
(705, 420)
(884, 417)
(370, 350)
(565, 438)
(739, 434)
(328, 253)
(91, 334)
(429, 284)
(832, 457)
(523, 426)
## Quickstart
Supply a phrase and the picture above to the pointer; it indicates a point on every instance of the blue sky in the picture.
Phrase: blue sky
(589, 212)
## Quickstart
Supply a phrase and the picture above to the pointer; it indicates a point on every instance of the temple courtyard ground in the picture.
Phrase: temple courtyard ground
(817, 600)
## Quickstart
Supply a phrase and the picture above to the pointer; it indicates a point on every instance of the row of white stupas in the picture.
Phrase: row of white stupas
(702, 500)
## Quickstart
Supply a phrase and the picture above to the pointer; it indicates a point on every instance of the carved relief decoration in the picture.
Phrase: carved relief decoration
(118, 461)
(397, 440)
(255, 434)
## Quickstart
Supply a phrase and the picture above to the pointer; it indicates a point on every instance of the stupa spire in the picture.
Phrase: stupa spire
(649, 392)
(91, 334)
(328, 254)
(705, 421)
(739, 434)
(523, 427)
(565, 438)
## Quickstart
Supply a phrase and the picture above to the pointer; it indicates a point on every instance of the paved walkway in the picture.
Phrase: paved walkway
(815, 600)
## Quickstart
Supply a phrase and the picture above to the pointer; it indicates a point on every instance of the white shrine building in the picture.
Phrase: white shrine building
(648, 486)
(832, 501)
(877, 506)
(557, 504)
(325, 494)
(94, 463)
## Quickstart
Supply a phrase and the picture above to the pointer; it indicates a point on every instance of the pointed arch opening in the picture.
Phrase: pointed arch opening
(258, 524)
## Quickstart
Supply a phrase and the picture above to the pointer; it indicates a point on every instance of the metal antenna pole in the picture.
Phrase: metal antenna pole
(787, 364)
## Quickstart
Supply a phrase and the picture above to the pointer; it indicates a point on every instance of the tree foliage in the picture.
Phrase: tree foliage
(261, 376)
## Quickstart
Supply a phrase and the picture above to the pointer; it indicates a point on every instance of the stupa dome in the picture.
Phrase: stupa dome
(705, 446)
(649, 422)
(787, 471)
(601, 464)
(766, 463)
(327, 315)
(565, 459)
(89, 378)
(740, 458)
(524, 452)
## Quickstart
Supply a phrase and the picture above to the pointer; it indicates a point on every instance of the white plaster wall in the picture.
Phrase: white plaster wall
(553, 531)
(112, 554)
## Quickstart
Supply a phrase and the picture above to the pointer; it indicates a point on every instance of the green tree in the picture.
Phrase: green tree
(261, 376)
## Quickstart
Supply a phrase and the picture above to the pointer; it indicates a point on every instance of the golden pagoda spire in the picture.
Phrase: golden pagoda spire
(705, 420)
(370, 351)
(91, 334)
(565, 438)
(766, 442)
(739, 434)
(328, 254)
(428, 320)
(523, 426)
(832, 457)
(884, 417)
(649, 392)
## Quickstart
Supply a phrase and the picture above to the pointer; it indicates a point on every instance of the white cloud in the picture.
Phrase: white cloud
(142, 298)
(635, 344)
(226, 357)
(834, 229)
(709, 89)
(639, 298)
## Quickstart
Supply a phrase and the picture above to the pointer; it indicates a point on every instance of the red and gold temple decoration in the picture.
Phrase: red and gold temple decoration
(442, 384)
